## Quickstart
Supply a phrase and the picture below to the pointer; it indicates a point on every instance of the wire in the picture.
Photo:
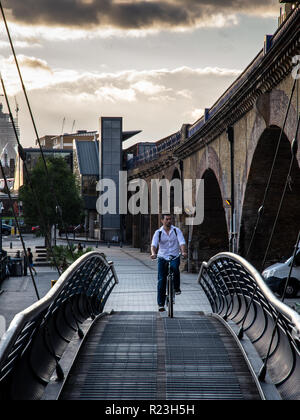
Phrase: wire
(28, 179)
(294, 149)
(18, 226)
(261, 208)
(34, 126)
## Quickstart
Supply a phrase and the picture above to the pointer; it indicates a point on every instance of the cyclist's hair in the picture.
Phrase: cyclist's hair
(164, 215)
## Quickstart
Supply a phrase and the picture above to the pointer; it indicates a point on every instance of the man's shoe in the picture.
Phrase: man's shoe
(178, 292)
(161, 308)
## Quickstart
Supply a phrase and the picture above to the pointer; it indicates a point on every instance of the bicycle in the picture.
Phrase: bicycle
(170, 298)
(170, 285)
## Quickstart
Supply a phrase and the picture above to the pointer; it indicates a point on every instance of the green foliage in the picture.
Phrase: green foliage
(63, 255)
(63, 182)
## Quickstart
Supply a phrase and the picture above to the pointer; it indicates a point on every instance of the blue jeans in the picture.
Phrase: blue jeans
(162, 278)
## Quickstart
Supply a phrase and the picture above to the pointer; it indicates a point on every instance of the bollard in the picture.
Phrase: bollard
(108, 245)
(10, 245)
(121, 245)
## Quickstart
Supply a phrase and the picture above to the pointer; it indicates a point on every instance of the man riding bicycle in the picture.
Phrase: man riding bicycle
(170, 243)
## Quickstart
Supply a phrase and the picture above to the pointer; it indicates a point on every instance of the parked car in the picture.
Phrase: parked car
(276, 275)
(6, 229)
(35, 229)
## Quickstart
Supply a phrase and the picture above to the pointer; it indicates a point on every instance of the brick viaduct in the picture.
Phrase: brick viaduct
(255, 106)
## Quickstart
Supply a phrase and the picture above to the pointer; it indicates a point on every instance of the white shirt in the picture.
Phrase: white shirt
(169, 244)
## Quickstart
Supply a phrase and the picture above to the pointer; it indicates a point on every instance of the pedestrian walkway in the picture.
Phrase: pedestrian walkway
(136, 352)
(136, 290)
(17, 293)
(146, 356)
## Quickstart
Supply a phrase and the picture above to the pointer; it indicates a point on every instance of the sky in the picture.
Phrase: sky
(156, 63)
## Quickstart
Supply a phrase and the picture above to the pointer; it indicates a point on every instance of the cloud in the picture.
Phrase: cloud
(31, 62)
(135, 14)
(156, 101)
(195, 113)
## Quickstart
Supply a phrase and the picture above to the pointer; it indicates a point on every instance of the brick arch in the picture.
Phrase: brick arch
(176, 169)
(270, 112)
(255, 181)
(210, 160)
(211, 237)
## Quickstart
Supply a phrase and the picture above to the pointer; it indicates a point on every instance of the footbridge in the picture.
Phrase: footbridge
(98, 336)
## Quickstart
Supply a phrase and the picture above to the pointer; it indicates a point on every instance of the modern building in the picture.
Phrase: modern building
(90, 160)
(32, 157)
(65, 141)
(46, 142)
(86, 170)
(8, 144)
(111, 161)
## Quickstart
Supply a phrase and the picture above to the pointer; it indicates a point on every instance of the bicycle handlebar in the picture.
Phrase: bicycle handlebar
(171, 259)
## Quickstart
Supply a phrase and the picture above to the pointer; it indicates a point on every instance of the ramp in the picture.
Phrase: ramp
(147, 356)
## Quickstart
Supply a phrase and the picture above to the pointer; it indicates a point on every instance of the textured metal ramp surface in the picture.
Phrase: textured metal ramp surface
(146, 356)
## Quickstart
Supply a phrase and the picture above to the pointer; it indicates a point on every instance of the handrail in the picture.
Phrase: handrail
(237, 291)
(165, 144)
(38, 336)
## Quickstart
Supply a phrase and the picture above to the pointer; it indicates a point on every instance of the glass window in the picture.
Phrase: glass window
(106, 171)
(115, 158)
(106, 146)
(107, 133)
(116, 124)
(89, 185)
(115, 146)
(115, 133)
(106, 123)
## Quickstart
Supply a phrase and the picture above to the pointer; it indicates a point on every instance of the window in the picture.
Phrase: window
(89, 185)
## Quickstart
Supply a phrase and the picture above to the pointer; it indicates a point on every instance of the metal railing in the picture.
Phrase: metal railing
(166, 144)
(32, 346)
(236, 291)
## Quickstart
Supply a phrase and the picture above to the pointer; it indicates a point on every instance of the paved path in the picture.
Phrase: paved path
(136, 290)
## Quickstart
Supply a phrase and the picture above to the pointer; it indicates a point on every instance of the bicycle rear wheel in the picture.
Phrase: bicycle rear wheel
(170, 295)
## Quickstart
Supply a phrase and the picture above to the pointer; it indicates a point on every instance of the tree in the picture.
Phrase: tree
(63, 256)
(59, 188)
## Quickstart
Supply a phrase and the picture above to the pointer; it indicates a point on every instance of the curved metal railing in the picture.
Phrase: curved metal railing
(236, 291)
(32, 346)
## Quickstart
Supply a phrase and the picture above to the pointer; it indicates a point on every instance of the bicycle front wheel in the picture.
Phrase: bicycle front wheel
(170, 295)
